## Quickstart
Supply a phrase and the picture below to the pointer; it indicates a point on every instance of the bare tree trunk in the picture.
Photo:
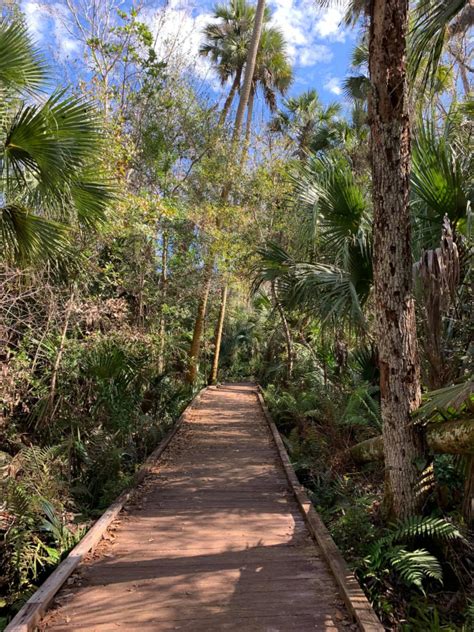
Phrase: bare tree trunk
(230, 97)
(218, 337)
(286, 331)
(57, 363)
(193, 357)
(249, 69)
(404, 448)
(248, 126)
(164, 287)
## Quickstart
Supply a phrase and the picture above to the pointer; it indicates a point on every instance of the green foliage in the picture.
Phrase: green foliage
(100, 284)
(412, 566)
(48, 147)
(354, 530)
(34, 531)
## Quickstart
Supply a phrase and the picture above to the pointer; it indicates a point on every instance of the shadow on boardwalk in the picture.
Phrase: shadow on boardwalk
(214, 542)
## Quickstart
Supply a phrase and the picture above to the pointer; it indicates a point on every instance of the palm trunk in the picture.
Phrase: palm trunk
(193, 357)
(248, 127)
(230, 97)
(249, 69)
(404, 448)
(243, 101)
(286, 330)
(164, 287)
(218, 337)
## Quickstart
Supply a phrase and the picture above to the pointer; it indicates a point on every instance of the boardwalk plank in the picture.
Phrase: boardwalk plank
(214, 541)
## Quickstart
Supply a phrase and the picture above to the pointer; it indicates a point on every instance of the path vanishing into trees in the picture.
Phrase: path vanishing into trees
(213, 540)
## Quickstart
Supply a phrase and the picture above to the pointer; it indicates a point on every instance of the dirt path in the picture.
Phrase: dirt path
(214, 540)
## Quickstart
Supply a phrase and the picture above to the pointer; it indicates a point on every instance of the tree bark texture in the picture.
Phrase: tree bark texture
(394, 306)
(218, 337)
(248, 125)
(446, 437)
(468, 503)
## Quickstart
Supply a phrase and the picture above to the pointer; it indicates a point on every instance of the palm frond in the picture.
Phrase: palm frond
(431, 28)
(439, 177)
(448, 398)
(26, 237)
(22, 67)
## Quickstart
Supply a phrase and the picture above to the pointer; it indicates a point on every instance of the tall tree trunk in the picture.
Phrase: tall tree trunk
(230, 97)
(248, 125)
(239, 117)
(249, 69)
(193, 357)
(218, 337)
(394, 306)
(164, 288)
(286, 330)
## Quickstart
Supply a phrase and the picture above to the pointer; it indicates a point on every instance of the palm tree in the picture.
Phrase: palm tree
(272, 72)
(48, 145)
(250, 67)
(436, 24)
(303, 120)
(332, 275)
(227, 43)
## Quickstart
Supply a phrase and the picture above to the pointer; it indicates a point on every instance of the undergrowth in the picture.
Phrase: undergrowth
(61, 468)
(417, 574)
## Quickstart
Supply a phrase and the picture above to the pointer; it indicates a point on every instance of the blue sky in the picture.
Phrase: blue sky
(318, 45)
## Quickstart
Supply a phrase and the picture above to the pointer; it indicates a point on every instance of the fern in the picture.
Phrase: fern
(415, 566)
(420, 527)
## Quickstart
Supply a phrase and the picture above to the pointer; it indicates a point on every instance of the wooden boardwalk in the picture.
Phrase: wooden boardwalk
(214, 540)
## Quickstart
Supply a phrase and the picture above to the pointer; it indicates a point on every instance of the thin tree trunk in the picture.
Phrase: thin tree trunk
(243, 101)
(164, 288)
(286, 330)
(248, 127)
(249, 69)
(218, 337)
(404, 447)
(230, 97)
(193, 357)
(57, 363)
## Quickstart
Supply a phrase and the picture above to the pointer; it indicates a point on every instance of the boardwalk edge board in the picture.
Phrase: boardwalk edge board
(353, 595)
(30, 614)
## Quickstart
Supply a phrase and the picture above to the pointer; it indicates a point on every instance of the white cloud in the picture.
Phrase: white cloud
(329, 26)
(35, 19)
(178, 32)
(47, 25)
(304, 24)
(314, 54)
(333, 85)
